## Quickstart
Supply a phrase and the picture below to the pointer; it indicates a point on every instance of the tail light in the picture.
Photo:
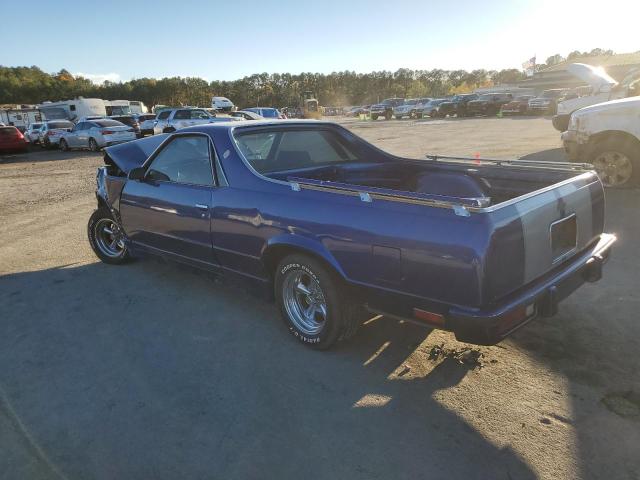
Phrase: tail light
(20, 135)
(108, 132)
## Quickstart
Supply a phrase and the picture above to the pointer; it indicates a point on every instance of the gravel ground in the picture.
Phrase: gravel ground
(155, 371)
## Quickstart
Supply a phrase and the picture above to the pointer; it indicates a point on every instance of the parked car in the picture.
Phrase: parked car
(547, 102)
(265, 112)
(405, 109)
(431, 108)
(246, 115)
(488, 104)
(96, 134)
(385, 108)
(51, 131)
(607, 135)
(517, 106)
(173, 119)
(12, 140)
(338, 229)
(129, 120)
(457, 105)
(146, 122)
(602, 89)
(222, 104)
(32, 133)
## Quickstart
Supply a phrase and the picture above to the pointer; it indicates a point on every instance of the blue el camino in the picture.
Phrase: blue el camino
(338, 229)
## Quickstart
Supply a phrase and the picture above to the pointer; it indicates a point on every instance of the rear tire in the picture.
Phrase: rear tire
(63, 145)
(106, 238)
(374, 117)
(313, 302)
(388, 115)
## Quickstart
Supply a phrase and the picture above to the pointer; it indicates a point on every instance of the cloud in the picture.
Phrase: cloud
(99, 78)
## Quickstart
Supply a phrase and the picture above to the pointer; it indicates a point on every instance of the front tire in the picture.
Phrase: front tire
(617, 162)
(313, 302)
(106, 238)
(93, 145)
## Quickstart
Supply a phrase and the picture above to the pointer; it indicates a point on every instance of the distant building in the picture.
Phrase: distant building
(557, 76)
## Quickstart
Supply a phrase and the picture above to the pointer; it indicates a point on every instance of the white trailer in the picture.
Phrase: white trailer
(20, 118)
(73, 110)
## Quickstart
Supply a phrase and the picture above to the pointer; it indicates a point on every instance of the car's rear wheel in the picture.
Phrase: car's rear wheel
(617, 162)
(374, 117)
(313, 302)
(93, 145)
(63, 145)
(46, 143)
(107, 238)
(387, 115)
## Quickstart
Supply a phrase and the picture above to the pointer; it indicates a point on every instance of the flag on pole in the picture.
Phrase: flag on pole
(529, 66)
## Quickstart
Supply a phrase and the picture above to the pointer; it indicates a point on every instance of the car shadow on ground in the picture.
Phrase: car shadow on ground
(152, 371)
(548, 155)
(593, 344)
(37, 154)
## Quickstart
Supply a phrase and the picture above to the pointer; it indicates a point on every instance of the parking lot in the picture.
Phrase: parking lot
(155, 371)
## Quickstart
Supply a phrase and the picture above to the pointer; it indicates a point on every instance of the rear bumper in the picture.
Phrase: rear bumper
(488, 327)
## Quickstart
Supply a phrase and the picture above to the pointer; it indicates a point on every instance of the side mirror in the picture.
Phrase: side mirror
(136, 173)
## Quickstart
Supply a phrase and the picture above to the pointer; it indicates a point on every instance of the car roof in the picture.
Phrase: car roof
(257, 123)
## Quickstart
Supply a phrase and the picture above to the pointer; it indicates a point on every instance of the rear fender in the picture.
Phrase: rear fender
(278, 247)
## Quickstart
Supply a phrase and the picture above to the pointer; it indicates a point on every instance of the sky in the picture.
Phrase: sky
(226, 40)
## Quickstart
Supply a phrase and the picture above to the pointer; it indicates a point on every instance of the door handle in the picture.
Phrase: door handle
(201, 206)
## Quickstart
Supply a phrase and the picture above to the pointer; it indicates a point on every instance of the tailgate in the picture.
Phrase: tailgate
(538, 232)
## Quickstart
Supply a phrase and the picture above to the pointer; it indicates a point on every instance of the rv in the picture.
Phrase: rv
(137, 106)
(20, 118)
(117, 107)
(73, 110)
(603, 89)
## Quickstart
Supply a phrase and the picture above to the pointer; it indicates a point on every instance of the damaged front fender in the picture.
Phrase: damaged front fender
(108, 190)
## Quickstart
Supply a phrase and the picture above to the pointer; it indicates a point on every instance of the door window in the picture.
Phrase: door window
(185, 159)
(164, 115)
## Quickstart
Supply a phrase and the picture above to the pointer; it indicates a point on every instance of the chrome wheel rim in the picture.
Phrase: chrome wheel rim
(108, 238)
(613, 168)
(304, 302)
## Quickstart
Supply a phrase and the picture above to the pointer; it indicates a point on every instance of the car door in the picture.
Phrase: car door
(72, 137)
(168, 211)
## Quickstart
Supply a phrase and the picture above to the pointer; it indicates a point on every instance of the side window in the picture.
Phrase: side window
(164, 115)
(198, 114)
(72, 108)
(182, 115)
(185, 159)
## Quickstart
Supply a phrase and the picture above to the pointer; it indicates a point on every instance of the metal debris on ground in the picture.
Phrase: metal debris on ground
(471, 357)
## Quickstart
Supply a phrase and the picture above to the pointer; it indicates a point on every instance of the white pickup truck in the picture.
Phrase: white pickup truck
(607, 135)
(603, 89)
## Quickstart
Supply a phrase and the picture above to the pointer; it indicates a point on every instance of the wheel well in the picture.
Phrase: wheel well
(614, 134)
(275, 254)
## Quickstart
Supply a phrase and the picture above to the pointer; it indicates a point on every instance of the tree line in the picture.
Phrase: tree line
(31, 85)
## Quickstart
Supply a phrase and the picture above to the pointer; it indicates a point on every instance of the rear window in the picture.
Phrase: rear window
(142, 118)
(60, 125)
(125, 120)
(8, 131)
(276, 151)
(108, 123)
